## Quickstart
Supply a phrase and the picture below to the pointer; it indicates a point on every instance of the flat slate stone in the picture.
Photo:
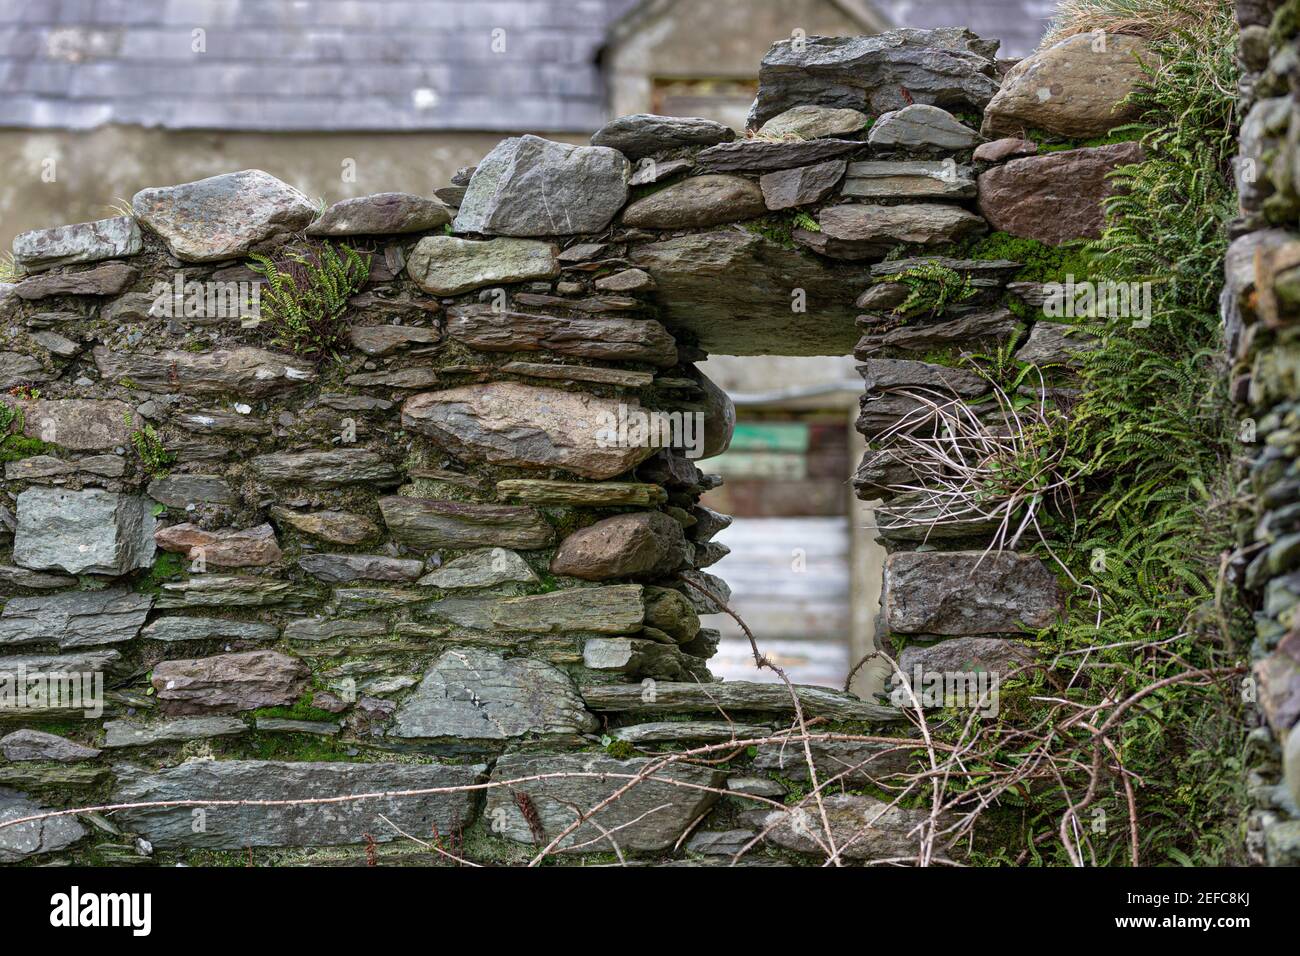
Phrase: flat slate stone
(139, 733)
(697, 202)
(731, 289)
(815, 122)
(220, 590)
(179, 491)
(222, 217)
(47, 466)
(387, 339)
(24, 745)
(731, 696)
(36, 838)
(111, 278)
(228, 682)
(342, 568)
(238, 827)
(428, 525)
(649, 817)
(648, 134)
(506, 423)
(336, 527)
(326, 469)
(596, 494)
(83, 532)
(871, 227)
(19, 369)
(172, 629)
(244, 371)
(765, 156)
(968, 592)
(613, 609)
(529, 186)
(995, 325)
(83, 242)
(884, 374)
(701, 731)
(603, 338)
(909, 179)
(1055, 343)
(75, 618)
(380, 214)
(483, 568)
(921, 127)
(446, 265)
(646, 544)
(1011, 147)
(648, 171)
(874, 74)
(802, 186)
(476, 694)
(853, 762)
(580, 373)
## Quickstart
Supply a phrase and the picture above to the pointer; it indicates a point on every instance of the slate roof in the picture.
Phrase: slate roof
(338, 65)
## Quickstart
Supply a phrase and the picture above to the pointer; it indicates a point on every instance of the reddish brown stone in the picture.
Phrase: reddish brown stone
(1055, 197)
(229, 682)
(253, 547)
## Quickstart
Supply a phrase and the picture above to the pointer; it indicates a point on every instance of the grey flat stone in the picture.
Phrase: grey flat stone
(483, 568)
(921, 127)
(341, 568)
(171, 629)
(446, 265)
(476, 694)
(326, 469)
(914, 179)
(968, 592)
(83, 532)
(429, 524)
(731, 697)
(228, 682)
(815, 122)
(234, 828)
(650, 816)
(23, 745)
(75, 618)
(648, 134)
(380, 214)
(33, 839)
(139, 733)
(83, 242)
(244, 372)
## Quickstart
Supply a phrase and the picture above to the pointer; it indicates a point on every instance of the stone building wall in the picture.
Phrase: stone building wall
(435, 561)
(1259, 313)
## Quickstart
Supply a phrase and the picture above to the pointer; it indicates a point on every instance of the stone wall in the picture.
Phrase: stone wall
(1259, 313)
(421, 561)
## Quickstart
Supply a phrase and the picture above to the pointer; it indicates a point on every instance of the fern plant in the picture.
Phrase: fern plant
(932, 288)
(306, 297)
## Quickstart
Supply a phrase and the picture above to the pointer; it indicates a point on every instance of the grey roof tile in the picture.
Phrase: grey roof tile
(347, 64)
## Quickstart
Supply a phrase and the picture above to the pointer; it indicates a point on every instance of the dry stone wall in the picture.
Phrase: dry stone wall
(438, 552)
(1259, 313)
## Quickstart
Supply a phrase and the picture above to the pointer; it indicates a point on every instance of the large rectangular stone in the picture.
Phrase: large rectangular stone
(75, 618)
(83, 532)
(968, 592)
(650, 816)
(326, 824)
